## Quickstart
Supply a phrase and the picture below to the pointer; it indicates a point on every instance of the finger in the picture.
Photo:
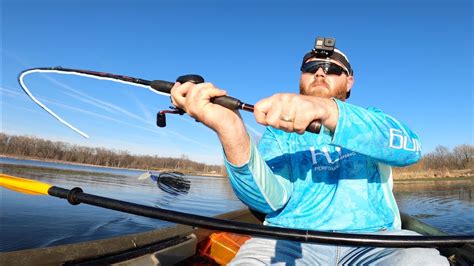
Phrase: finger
(273, 116)
(260, 110)
(177, 94)
(207, 91)
(300, 124)
(286, 126)
(202, 94)
(304, 116)
(288, 111)
(180, 91)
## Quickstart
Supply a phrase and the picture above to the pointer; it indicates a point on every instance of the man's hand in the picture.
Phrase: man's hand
(294, 112)
(195, 99)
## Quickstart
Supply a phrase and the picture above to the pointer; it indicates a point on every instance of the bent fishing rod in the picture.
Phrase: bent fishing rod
(157, 86)
(76, 196)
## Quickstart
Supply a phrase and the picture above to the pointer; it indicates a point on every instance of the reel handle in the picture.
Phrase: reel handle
(165, 87)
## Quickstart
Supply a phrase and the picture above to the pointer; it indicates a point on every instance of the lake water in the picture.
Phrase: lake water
(40, 221)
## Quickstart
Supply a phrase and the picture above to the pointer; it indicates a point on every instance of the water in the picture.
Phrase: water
(74, 167)
(445, 204)
(39, 221)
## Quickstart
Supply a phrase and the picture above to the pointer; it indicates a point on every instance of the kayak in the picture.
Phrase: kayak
(179, 244)
(166, 246)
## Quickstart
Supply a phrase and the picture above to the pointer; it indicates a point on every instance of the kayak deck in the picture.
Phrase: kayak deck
(457, 256)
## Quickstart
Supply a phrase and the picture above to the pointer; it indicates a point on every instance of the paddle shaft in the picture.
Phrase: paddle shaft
(76, 196)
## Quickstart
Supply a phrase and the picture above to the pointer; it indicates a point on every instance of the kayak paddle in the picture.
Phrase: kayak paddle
(76, 196)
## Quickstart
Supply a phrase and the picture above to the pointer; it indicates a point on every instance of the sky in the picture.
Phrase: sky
(412, 59)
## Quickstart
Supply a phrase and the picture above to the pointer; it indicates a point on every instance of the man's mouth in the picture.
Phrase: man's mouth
(318, 84)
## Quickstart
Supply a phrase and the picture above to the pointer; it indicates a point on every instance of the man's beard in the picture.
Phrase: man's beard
(320, 88)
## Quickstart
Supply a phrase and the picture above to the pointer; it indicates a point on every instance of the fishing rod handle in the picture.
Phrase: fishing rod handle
(225, 101)
(162, 86)
(165, 87)
(314, 127)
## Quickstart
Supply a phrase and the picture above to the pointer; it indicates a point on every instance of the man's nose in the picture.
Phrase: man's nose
(320, 73)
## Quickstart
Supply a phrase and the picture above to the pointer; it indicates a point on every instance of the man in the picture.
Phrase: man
(338, 180)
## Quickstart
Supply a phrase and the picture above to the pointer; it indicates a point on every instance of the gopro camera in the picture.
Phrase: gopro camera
(324, 47)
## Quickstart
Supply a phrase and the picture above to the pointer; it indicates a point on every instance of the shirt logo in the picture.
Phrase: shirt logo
(323, 160)
(399, 141)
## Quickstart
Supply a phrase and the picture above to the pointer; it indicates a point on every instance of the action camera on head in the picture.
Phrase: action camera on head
(324, 47)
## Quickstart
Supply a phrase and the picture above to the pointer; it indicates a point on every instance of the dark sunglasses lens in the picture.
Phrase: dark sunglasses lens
(334, 69)
(306, 68)
(328, 68)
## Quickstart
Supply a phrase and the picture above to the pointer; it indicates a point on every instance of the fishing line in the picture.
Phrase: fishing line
(83, 73)
(157, 86)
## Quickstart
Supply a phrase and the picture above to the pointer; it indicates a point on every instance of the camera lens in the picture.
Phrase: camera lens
(329, 42)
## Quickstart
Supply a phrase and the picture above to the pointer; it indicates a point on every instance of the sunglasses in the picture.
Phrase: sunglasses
(328, 68)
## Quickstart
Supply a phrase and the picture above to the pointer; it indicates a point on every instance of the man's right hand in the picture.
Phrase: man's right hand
(195, 99)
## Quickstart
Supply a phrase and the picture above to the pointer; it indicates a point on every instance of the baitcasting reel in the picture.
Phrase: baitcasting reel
(161, 115)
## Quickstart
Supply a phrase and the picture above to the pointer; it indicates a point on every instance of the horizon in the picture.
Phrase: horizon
(251, 49)
(182, 157)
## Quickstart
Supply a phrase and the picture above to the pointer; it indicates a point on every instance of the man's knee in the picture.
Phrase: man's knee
(418, 256)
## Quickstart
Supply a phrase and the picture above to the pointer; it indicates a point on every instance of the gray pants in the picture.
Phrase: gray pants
(263, 251)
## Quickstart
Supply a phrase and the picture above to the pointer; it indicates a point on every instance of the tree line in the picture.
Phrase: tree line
(442, 158)
(34, 147)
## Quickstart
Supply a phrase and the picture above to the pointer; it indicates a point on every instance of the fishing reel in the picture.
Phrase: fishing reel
(161, 115)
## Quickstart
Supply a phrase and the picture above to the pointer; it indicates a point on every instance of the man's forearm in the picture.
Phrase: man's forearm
(236, 143)
(372, 133)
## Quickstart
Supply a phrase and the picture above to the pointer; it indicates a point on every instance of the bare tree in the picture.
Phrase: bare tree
(464, 155)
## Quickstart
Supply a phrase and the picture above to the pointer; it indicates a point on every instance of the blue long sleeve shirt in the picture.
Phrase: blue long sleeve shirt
(328, 182)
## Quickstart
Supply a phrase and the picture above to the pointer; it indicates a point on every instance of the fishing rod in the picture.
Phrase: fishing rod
(162, 87)
(157, 86)
(76, 196)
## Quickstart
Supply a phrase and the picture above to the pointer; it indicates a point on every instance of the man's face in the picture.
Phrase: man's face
(322, 85)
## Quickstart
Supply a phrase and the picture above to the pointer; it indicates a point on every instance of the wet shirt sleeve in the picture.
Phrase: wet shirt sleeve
(377, 135)
(263, 186)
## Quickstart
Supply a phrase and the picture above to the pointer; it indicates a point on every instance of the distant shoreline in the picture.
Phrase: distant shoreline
(399, 176)
(99, 166)
(435, 179)
(429, 175)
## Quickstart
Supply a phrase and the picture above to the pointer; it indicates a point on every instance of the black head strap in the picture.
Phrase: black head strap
(335, 55)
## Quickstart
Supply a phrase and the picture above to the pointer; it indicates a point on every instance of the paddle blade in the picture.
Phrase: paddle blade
(23, 185)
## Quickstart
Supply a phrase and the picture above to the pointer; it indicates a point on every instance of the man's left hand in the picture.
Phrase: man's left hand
(294, 112)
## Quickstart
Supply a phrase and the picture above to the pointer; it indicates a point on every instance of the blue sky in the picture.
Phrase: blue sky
(412, 59)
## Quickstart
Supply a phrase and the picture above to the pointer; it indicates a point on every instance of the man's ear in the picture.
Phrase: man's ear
(350, 82)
